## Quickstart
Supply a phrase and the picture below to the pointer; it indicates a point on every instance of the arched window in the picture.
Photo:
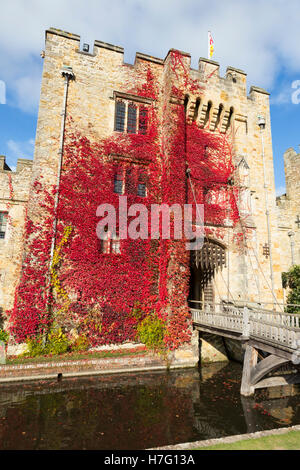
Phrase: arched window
(207, 115)
(220, 111)
(245, 203)
(186, 102)
(230, 118)
(196, 110)
(244, 173)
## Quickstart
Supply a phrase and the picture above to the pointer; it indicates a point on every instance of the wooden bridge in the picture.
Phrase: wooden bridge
(271, 340)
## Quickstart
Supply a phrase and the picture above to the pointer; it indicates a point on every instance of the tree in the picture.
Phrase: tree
(291, 279)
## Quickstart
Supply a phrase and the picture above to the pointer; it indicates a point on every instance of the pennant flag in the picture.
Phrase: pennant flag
(210, 45)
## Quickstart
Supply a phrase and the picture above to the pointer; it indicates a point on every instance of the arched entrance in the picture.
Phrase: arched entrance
(204, 265)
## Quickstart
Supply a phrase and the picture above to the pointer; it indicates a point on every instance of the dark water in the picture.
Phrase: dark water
(138, 411)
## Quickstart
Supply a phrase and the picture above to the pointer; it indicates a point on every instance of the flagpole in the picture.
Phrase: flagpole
(208, 44)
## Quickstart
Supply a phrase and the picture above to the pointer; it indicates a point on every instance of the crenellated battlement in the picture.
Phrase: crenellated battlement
(21, 164)
(235, 80)
(3, 164)
(92, 90)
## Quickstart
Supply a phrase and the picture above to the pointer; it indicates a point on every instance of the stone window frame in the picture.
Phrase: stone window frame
(139, 103)
(121, 160)
(142, 189)
(132, 118)
(120, 116)
(119, 178)
(3, 223)
(111, 244)
(243, 163)
(245, 187)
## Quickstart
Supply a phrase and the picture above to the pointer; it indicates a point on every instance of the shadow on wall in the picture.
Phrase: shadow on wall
(214, 348)
(1, 317)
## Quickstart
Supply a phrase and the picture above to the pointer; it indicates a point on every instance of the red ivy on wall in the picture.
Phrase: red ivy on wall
(151, 275)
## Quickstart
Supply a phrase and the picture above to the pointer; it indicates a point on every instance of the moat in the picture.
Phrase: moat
(139, 411)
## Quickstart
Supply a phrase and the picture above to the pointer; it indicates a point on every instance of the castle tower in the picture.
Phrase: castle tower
(14, 194)
(288, 206)
(82, 90)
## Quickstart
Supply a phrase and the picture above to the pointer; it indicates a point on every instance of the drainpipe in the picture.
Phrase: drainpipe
(68, 75)
(262, 124)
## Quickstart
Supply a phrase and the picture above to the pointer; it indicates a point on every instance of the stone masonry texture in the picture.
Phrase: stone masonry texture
(102, 73)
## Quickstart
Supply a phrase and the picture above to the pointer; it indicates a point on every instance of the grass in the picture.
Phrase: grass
(288, 441)
(74, 356)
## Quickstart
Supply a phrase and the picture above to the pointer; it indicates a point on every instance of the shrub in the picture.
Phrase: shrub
(4, 336)
(291, 279)
(137, 312)
(80, 344)
(151, 332)
(57, 342)
(35, 347)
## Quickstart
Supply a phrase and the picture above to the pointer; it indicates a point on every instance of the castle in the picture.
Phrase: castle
(105, 97)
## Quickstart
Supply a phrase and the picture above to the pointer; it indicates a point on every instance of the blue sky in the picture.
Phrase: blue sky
(261, 37)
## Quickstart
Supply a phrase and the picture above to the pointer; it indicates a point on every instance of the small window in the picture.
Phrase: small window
(130, 182)
(105, 245)
(141, 190)
(230, 118)
(207, 114)
(196, 110)
(120, 116)
(115, 245)
(131, 116)
(131, 119)
(110, 244)
(3, 224)
(118, 184)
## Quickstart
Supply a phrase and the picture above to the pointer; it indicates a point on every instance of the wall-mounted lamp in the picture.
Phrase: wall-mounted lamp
(261, 122)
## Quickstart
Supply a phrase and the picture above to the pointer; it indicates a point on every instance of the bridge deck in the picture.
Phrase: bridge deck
(276, 333)
(276, 329)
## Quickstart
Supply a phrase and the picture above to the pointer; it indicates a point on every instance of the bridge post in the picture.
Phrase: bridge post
(250, 361)
(249, 413)
(246, 323)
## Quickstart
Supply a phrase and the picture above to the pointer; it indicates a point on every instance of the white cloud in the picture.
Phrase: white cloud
(27, 92)
(258, 36)
(19, 149)
(283, 97)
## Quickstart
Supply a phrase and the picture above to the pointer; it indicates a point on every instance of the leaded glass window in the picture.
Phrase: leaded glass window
(120, 116)
(3, 224)
(131, 119)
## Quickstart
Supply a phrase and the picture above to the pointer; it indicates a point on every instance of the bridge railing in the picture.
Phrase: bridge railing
(273, 327)
(229, 319)
(281, 328)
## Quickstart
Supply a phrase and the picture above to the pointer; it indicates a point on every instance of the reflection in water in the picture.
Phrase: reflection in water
(138, 411)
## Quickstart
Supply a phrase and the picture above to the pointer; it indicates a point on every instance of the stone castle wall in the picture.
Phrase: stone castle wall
(288, 207)
(100, 76)
(14, 194)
